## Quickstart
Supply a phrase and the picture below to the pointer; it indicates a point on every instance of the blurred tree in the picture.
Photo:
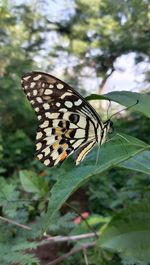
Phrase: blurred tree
(98, 32)
(21, 39)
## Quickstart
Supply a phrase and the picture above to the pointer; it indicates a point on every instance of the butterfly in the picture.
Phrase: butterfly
(67, 122)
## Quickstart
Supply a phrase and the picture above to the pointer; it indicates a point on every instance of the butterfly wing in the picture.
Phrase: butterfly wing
(66, 121)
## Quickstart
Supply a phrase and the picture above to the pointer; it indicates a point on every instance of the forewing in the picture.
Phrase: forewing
(48, 93)
(66, 120)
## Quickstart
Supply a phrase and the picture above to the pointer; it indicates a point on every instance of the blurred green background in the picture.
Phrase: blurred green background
(80, 42)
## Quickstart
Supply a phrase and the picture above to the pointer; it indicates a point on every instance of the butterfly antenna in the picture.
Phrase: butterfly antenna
(125, 109)
(108, 109)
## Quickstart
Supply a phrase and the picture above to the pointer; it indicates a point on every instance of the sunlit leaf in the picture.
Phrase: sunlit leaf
(127, 99)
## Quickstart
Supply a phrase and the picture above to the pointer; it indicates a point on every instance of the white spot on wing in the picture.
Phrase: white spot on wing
(49, 140)
(63, 110)
(44, 124)
(38, 146)
(39, 117)
(46, 106)
(55, 154)
(58, 104)
(40, 156)
(39, 135)
(37, 77)
(48, 115)
(46, 162)
(66, 94)
(39, 99)
(37, 109)
(48, 92)
(55, 123)
(46, 151)
(60, 86)
(32, 84)
(78, 102)
(68, 104)
(34, 92)
(48, 131)
(51, 86)
(26, 78)
(52, 115)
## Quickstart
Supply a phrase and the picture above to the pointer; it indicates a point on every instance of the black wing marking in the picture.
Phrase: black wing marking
(66, 121)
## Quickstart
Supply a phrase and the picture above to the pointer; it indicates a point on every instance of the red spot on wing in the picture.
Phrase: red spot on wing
(63, 156)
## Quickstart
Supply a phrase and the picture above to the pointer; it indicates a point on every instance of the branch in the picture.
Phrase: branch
(50, 239)
(15, 223)
(65, 238)
(72, 252)
(101, 86)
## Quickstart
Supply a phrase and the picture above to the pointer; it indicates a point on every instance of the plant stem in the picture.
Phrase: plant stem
(71, 252)
(15, 223)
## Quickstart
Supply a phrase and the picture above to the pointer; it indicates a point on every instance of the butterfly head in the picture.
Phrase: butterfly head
(108, 126)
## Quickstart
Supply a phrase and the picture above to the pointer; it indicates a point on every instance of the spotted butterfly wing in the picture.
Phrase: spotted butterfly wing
(66, 121)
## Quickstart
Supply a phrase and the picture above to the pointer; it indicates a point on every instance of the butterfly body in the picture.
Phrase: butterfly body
(67, 122)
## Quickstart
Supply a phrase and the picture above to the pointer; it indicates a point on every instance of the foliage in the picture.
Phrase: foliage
(17, 255)
(98, 32)
(94, 35)
(22, 209)
(128, 232)
(17, 57)
(112, 154)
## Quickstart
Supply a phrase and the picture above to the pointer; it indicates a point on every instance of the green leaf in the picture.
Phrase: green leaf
(7, 191)
(69, 180)
(128, 232)
(28, 181)
(9, 198)
(140, 162)
(127, 99)
(33, 183)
